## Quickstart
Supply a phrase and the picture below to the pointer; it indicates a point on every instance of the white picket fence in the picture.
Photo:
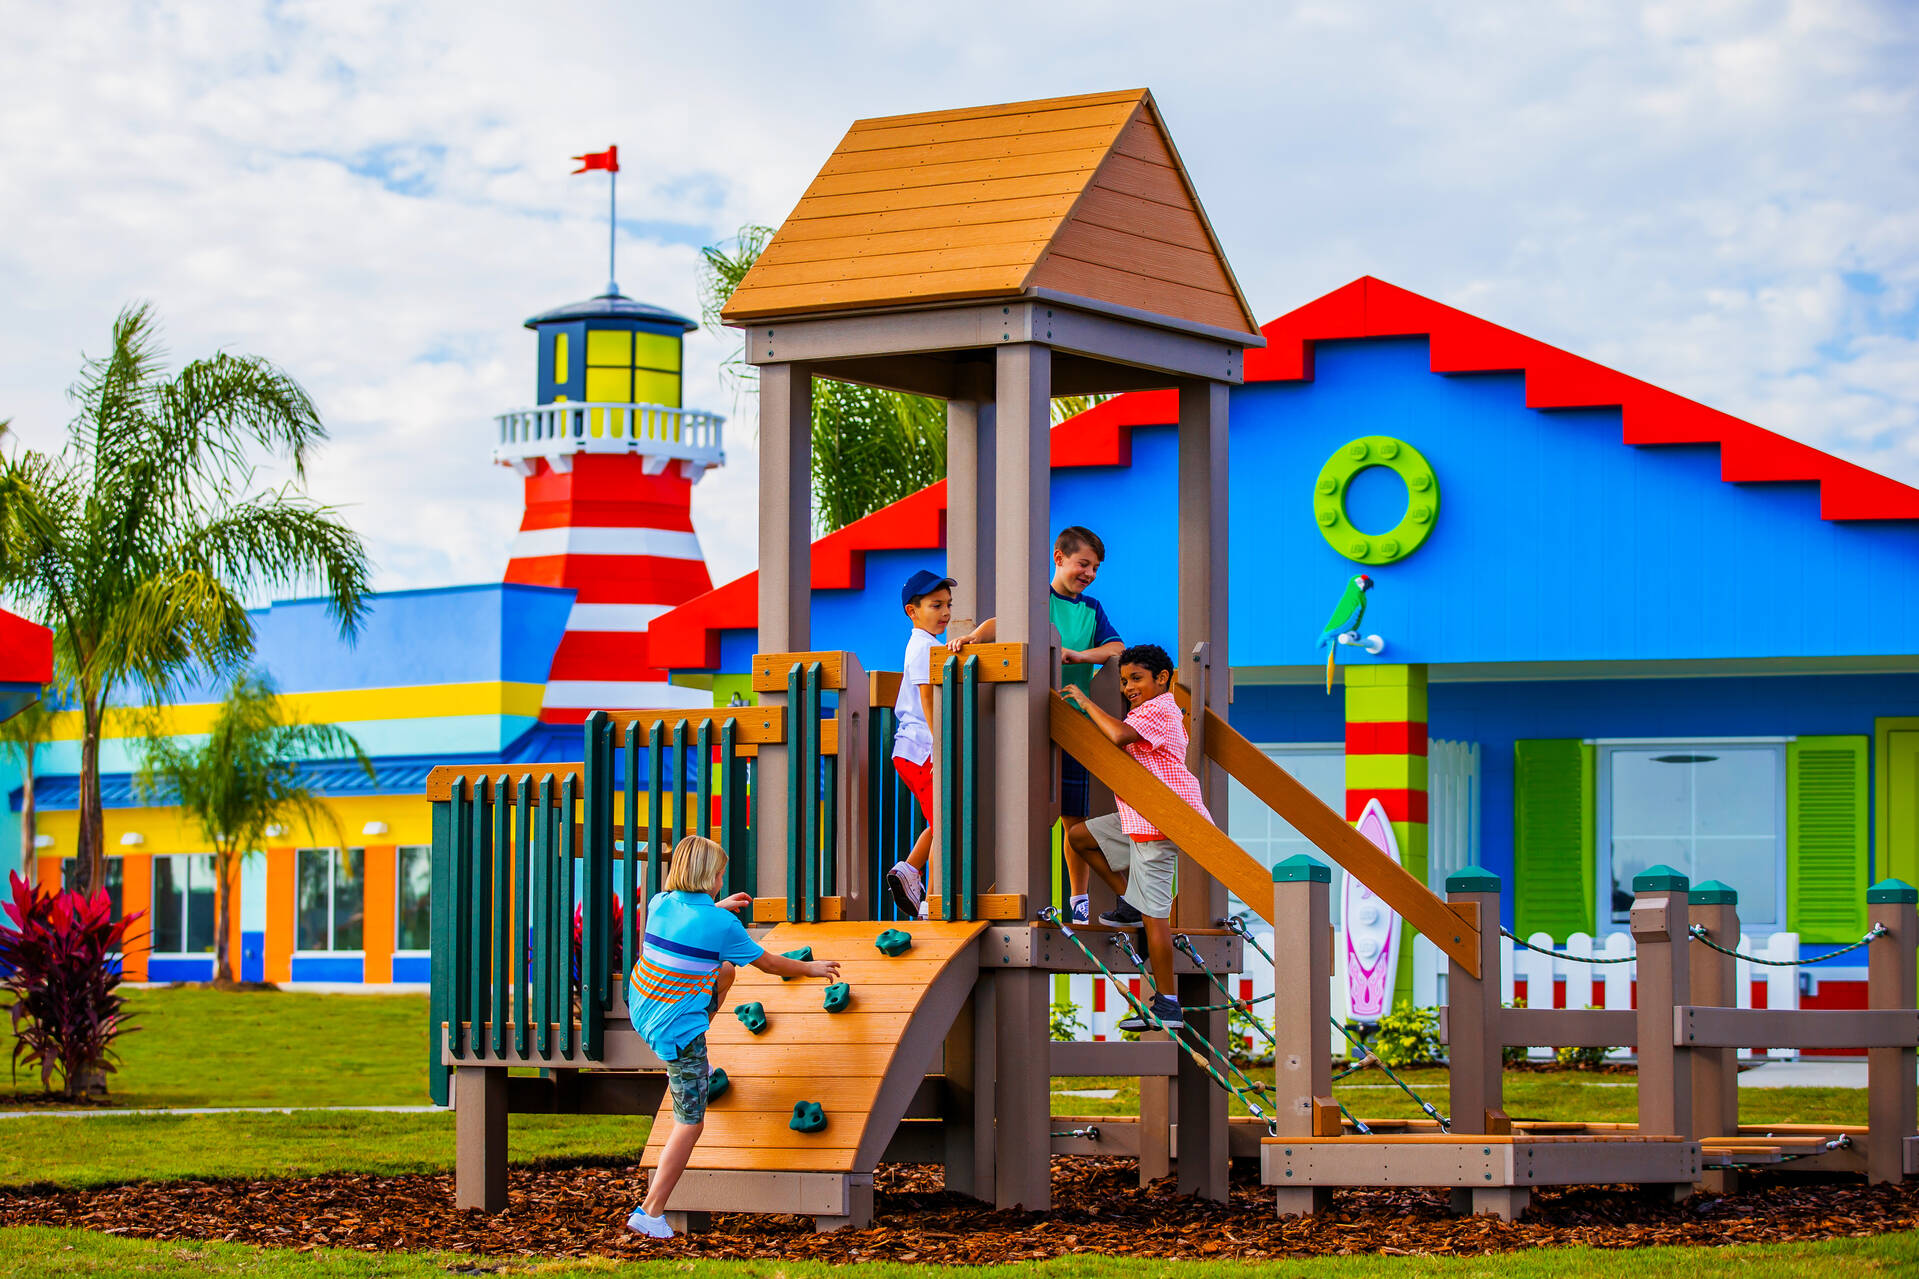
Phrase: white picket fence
(1569, 983)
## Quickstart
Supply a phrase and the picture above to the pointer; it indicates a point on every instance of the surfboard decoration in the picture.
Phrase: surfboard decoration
(1371, 928)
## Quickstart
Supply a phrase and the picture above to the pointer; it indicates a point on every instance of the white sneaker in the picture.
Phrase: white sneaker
(651, 1227)
(909, 891)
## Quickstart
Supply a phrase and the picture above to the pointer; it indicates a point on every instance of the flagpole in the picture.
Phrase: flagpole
(612, 228)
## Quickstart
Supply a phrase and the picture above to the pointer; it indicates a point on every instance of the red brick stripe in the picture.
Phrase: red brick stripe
(1400, 738)
(1400, 805)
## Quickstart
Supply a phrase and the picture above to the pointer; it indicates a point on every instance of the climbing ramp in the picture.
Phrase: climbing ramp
(862, 1065)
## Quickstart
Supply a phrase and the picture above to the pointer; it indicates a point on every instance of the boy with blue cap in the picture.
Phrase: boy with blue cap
(927, 599)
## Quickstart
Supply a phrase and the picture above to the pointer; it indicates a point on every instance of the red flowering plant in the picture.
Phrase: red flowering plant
(57, 951)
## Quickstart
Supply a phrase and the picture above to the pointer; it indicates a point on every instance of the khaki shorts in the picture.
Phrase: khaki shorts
(1147, 864)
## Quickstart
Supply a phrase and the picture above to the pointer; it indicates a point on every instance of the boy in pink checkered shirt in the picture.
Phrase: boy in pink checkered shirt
(1154, 733)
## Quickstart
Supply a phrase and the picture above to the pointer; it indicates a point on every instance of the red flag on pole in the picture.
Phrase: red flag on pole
(608, 159)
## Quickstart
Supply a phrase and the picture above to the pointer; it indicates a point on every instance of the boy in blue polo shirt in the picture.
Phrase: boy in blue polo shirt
(1088, 640)
(679, 980)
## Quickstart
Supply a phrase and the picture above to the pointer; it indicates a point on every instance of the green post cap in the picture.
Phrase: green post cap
(1301, 869)
(1713, 893)
(804, 954)
(807, 1117)
(716, 1084)
(894, 942)
(1894, 891)
(1472, 879)
(1659, 879)
(838, 996)
(752, 1016)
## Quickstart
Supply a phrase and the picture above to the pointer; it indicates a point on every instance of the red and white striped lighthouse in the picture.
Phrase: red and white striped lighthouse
(610, 460)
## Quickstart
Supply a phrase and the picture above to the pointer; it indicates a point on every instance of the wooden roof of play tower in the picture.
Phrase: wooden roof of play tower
(1080, 196)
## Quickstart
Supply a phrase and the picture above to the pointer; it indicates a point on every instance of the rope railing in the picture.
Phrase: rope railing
(1699, 934)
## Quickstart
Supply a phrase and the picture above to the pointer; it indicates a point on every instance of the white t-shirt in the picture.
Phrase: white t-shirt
(913, 736)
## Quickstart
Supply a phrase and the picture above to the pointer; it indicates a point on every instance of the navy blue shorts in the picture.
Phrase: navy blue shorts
(1074, 787)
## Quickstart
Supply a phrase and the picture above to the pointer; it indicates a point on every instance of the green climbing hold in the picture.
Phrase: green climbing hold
(752, 1016)
(807, 1117)
(804, 954)
(838, 996)
(716, 1084)
(894, 942)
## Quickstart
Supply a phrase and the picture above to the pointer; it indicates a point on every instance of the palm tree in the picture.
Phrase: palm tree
(870, 447)
(22, 736)
(139, 542)
(242, 779)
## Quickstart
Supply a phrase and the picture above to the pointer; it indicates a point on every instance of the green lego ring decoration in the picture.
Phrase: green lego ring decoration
(1336, 478)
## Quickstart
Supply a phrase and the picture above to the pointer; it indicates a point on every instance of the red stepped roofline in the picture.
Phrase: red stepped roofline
(689, 636)
(26, 651)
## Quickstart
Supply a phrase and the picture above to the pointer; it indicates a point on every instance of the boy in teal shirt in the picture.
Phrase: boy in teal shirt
(1088, 640)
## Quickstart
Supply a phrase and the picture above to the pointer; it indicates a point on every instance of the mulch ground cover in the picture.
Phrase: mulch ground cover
(575, 1211)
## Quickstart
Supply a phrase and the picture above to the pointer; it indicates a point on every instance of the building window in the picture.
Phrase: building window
(329, 911)
(632, 368)
(1715, 810)
(112, 870)
(183, 886)
(1321, 768)
(413, 899)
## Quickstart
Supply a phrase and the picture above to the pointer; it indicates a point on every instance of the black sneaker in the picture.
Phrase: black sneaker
(1122, 915)
(1166, 1008)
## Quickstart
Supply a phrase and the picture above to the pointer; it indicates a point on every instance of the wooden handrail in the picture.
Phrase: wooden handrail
(1399, 888)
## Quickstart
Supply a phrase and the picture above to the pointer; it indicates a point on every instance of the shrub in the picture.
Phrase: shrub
(66, 1009)
(1407, 1036)
(1063, 1019)
(1581, 1058)
(1246, 1040)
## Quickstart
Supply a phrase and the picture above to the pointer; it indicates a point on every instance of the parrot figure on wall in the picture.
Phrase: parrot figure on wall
(1346, 617)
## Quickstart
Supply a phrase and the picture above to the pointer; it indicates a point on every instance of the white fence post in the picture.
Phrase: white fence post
(1782, 984)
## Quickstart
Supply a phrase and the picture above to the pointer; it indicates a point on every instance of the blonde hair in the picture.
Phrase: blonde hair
(697, 866)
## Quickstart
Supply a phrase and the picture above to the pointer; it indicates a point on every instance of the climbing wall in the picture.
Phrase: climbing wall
(861, 1065)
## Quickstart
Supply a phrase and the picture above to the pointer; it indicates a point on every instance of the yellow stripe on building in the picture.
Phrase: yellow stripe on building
(341, 706)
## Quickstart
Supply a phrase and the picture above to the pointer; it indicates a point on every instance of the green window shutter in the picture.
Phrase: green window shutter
(1826, 838)
(1552, 837)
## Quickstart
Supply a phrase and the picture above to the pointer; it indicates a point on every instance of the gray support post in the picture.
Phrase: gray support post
(1204, 1159)
(1475, 1063)
(1714, 907)
(854, 713)
(1022, 764)
(968, 1130)
(479, 1138)
(786, 566)
(1155, 1120)
(970, 542)
(1890, 983)
(1302, 1012)
(1658, 923)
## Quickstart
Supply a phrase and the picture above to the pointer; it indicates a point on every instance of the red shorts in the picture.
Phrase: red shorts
(919, 779)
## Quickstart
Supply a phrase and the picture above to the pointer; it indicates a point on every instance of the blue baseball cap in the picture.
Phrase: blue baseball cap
(924, 582)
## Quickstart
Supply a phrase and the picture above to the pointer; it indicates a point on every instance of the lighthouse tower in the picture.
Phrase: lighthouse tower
(610, 460)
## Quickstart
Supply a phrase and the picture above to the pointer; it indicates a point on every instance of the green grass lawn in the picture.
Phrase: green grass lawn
(37, 1251)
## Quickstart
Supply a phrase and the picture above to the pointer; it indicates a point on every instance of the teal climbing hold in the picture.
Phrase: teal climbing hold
(752, 1016)
(838, 996)
(716, 1084)
(804, 954)
(894, 942)
(807, 1117)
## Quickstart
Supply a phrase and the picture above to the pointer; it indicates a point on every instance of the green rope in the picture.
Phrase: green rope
(1517, 940)
(1124, 942)
(1237, 925)
(1699, 934)
(1052, 915)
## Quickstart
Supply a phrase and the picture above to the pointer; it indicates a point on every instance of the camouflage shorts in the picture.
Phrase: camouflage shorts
(686, 1078)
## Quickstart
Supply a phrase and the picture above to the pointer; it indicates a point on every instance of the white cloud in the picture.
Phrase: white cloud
(1717, 198)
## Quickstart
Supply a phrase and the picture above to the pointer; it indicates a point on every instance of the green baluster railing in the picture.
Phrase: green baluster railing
(703, 821)
(733, 810)
(563, 952)
(440, 999)
(630, 899)
(655, 801)
(829, 824)
(949, 797)
(540, 962)
(502, 882)
(522, 937)
(969, 787)
(677, 805)
(795, 772)
(478, 899)
(596, 915)
(810, 817)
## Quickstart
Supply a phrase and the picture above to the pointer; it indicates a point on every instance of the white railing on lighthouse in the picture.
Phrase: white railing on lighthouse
(660, 432)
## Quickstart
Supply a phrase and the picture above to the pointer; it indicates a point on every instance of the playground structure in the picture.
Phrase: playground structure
(985, 257)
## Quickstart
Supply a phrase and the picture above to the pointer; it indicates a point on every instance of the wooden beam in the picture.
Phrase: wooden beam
(439, 782)
(998, 663)
(1569, 1027)
(770, 669)
(755, 724)
(989, 906)
(1113, 1057)
(1416, 904)
(914, 374)
(772, 910)
(1695, 1027)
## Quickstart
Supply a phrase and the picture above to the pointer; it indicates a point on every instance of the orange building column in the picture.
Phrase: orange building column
(377, 919)
(281, 901)
(233, 891)
(47, 873)
(136, 894)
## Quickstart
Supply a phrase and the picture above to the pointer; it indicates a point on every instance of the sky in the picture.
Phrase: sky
(1720, 198)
